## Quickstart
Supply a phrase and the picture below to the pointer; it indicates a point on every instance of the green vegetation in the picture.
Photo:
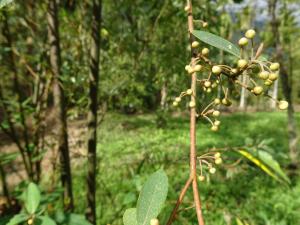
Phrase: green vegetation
(131, 148)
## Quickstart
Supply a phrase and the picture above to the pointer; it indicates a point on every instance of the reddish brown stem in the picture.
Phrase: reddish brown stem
(193, 152)
(179, 201)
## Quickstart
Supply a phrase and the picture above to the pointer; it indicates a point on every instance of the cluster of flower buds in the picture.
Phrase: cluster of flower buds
(260, 73)
(208, 160)
(154, 222)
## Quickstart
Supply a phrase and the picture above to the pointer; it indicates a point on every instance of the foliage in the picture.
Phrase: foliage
(34, 211)
(151, 199)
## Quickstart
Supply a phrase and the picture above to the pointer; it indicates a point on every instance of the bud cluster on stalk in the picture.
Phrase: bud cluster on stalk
(209, 160)
(261, 74)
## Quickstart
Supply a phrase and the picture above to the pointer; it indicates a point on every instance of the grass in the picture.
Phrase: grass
(132, 147)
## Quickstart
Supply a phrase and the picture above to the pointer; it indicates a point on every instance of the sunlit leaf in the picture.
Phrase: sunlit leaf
(265, 162)
(32, 198)
(130, 217)
(17, 219)
(152, 197)
(217, 42)
(45, 220)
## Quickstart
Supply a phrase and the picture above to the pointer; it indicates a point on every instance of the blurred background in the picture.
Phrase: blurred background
(144, 48)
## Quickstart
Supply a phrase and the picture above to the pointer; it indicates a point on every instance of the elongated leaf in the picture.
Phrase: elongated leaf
(129, 217)
(4, 3)
(32, 198)
(266, 162)
(273, 164)
(45, 220)
(152, 197)
(17, 219)
(217, 42)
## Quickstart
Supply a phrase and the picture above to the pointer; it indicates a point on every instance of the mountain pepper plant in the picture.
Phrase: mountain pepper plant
(207, 75)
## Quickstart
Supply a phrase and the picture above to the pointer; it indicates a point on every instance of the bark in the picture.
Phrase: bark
(59, 104)
(92, 114)
(286, 84)
(25, 151)
(4, 185)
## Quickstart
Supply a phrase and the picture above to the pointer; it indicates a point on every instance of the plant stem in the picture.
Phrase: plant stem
(193, 152)
(179, 201)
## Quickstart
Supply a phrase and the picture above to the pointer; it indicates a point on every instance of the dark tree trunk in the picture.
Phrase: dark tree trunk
(60, 105)
(92, 114)
(25, 152)
(286, 84)
(4, 185)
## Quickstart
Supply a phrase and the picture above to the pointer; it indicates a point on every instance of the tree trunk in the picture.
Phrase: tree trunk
(92, 114)
(286, 85)
(163, 94)
(4, 185)
(59, 104)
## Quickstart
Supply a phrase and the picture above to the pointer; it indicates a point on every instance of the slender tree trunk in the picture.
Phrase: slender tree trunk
(92, 114)
(163, 94)
(286, 84)
(59, 104)
(4, 185)
(26, 153)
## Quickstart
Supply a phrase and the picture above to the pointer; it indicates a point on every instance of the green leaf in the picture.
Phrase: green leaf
(17, 219)
(32, 198)
(4, 3)
(217, 42)
(129, 217)
(152, 197)
(266, 162)
(7, 157)
(45, 220)
(76, 219)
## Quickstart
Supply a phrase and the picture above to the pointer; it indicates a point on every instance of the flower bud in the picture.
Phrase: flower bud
(207, 83)
(263, 75)
(154, 222)
(192, 104)
(216, 70)
(218, 161)
(197, 68)
(250, 34)
(217, 123)
(205, 51)
(195, 44)
(214, 128)
(187, 67)
(201, 178)
(243, 41)
(242, 63)
(177, 99)
(217, 101)
(274, 66)
(282, 105)
(189, 91)
(273, 76)
(212, 170)
(216, 113)
(258, 90)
